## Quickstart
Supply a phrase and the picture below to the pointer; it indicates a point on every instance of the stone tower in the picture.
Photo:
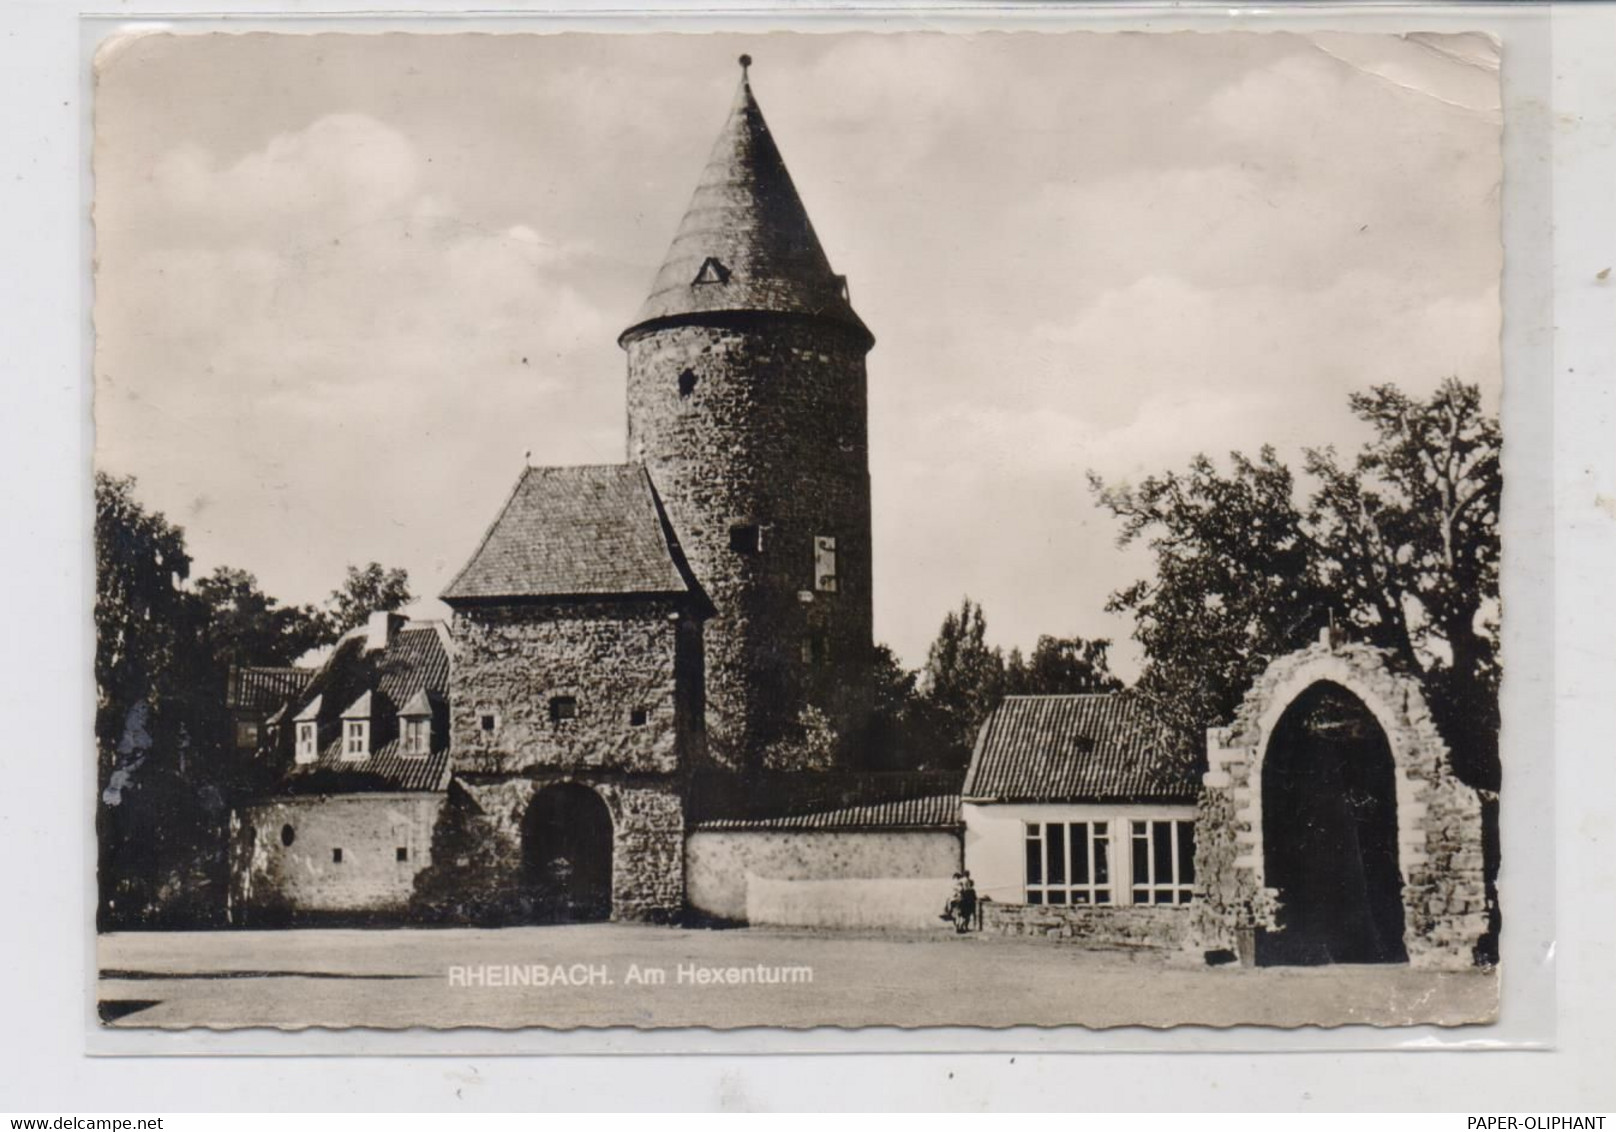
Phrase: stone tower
(747, 403)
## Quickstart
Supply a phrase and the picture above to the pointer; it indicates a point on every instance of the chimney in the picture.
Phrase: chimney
(381, 629)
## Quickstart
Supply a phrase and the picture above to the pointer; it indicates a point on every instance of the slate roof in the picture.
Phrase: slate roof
(937, 811)
(256, 688)
(1100, 747)
(573, 532)
(747, 218)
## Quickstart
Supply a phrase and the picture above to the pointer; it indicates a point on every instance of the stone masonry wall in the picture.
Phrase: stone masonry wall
(763, 420)
(613, 658)
(480, 879)
(1438, 817)
(1119, 926)
(283, 856)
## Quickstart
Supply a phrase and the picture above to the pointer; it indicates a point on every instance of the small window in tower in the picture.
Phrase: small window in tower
(489, 722)
(687, 383)
(746, 538)
(825, 564)
(288, 835)
(336, 856)
(712, 271)
(637, 717)
(815, 649)
(402, 853)
(563, 707)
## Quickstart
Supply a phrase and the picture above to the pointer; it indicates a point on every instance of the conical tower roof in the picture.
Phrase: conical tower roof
(746, 243)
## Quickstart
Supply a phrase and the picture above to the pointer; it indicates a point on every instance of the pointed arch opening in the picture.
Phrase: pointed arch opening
(1330, 834)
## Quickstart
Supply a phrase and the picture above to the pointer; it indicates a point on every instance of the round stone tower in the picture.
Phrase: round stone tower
(747, 403)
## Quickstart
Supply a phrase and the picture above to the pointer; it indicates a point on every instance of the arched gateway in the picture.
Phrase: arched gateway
(567, 855)
(1331, 828)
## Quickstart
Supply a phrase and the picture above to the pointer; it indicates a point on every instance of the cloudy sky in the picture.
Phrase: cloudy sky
(345, 282)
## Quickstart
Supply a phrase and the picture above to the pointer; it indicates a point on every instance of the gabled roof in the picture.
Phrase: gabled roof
(359, 709)
(310, 712)
(259, 688)
(936, 811)
(1101, 747)
(746, 243)
(593, 530)
(419, 704)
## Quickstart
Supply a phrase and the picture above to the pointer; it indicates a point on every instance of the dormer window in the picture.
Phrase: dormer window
(415, 725)
(418, 736)
(356, 730)
(307, 734)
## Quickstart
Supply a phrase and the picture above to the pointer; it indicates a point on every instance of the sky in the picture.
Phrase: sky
(346, 283)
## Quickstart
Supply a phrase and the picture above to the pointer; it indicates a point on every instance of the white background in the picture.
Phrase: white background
(1560, 882)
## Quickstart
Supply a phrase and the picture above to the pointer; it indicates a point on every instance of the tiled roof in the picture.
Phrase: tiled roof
(571, 532)
(385, 769)
(417, 660)
(937, 811)
(746, 243)
(1072, 749)
(264, 689)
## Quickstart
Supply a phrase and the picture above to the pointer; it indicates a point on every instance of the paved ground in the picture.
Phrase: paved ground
(400, 978)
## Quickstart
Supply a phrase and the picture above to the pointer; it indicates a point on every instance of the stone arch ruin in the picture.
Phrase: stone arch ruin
(1366, 789)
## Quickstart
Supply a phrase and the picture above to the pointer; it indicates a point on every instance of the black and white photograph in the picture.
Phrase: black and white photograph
(778, 530)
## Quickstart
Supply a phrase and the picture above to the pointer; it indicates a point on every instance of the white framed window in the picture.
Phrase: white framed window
(355, 738)
(1068, 862)
(825, 564)
(1163, 861)
(418, 735)
(308, 742)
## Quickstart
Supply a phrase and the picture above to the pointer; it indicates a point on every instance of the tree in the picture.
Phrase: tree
(1060, 666)
(247, 626)
(368, 589)
(962, 681)
(1408, 535)
(1401, 546)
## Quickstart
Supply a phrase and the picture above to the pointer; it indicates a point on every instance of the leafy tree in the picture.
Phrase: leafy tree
(1408, 536)
(1400, 546)
(247, 626)
(1060, 666)
(963, 681)
(368, 589)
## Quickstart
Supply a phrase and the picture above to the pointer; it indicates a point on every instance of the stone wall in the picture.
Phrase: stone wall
(881, 878)
(761, 420)
(1115, 926)
(613, 658)
(1438, 817)
(478, 877)
(282, 856)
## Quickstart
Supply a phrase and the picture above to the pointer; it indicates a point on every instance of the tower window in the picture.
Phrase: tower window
(815, 649)
(336, 856)
(288, 835)
(712, 271)
(746, 538)
(563, 707)
(637, 717)
(489, 722)
(825, 564)
(402, 853)
(687, 382)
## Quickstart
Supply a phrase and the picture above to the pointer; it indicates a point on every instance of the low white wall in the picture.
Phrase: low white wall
(822, 878)
(912, 904)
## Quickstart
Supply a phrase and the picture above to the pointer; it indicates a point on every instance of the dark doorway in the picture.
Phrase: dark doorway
(1329, 803)
(567, 855)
